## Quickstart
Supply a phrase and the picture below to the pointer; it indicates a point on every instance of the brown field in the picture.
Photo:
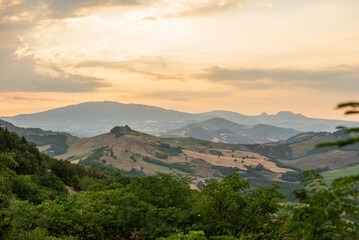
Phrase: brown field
(229, 161)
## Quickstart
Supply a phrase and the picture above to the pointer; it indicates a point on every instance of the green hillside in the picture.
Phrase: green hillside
(53, 143)
(341, 172)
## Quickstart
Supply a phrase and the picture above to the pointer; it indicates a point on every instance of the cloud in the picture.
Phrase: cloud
(18, 73)
(142, 62)
(207, 8)
(168, 8)
(338, 77)
(72, 8)
(58, 9)
(17, 98)
(33, 11)
(20, 70)
(184, 95)
(154, 68)
(149, 18)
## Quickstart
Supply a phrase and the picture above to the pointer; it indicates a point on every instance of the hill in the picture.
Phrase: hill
(222, 130)
(301, 152)
(135, 152)
(52, 143)
(93, 118)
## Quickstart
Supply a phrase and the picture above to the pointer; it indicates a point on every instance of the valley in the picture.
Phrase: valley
(138, 153)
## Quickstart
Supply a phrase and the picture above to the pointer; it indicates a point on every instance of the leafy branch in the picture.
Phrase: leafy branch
(353, 109)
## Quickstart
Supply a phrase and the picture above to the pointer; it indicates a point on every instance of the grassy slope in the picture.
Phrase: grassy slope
(341, 172)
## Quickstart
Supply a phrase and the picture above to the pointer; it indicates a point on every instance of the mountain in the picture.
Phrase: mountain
(283, 119)
(53, 143)
(93, 118)
(222, 130)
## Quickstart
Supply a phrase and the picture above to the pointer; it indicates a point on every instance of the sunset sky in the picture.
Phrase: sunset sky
(247, 56)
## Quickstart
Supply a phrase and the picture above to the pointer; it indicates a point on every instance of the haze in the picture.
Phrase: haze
(246, 56)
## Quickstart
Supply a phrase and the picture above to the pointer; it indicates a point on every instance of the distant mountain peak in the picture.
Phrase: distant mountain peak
(288, 114)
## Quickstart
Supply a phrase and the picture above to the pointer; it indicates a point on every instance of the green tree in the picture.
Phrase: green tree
(7, 162)
(230, 208)
(327, 211)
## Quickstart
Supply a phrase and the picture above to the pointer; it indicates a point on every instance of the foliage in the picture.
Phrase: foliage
(325, 212)
(94, 157)
(291, 176)
(166, 148)
(161, 155)
(178, 166)
(36, 189)
(351, 140)
(192, 235)
(134, 172)
(121, 131)
(57, 141)
(229, 208)
(7, 163)
(224, 170)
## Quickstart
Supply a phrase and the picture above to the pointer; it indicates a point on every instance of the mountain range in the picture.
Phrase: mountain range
(222, 130)
(93, 118)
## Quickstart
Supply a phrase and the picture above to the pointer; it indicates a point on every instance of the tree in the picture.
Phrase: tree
(230, 208)
(7, 162)
(327, 211)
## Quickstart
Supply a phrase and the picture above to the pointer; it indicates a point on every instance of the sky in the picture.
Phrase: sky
(247, 56)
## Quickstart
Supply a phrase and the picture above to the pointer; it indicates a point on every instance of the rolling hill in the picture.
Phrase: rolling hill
(134, 151)
(93, 118)
(138, 153)
(301, 152)
(222, 130)
(52, 143)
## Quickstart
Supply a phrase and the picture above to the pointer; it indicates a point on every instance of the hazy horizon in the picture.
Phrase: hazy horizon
(245, 56)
